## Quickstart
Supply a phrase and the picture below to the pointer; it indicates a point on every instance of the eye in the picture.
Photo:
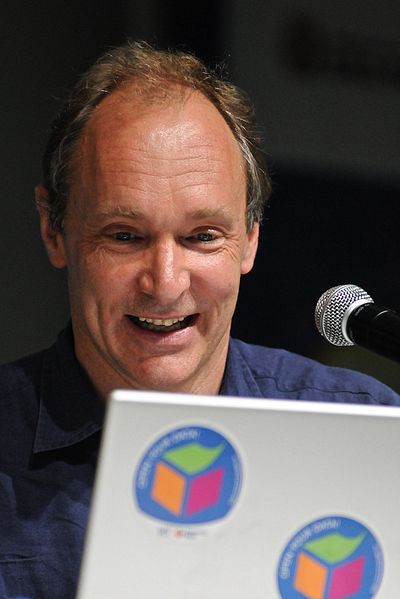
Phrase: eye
(125, 236)
(203, 237)
(206, 240)
(207, 235)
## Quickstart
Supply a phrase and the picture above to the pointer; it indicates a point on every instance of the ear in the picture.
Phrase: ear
(250, 249)
(53, 240)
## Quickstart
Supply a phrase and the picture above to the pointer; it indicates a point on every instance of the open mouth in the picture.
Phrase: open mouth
(162, 325)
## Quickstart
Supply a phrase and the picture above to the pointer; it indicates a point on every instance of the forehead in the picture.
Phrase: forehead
(181, 123)
(177, 154)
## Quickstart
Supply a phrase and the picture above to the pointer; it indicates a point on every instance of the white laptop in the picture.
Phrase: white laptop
(234, 498)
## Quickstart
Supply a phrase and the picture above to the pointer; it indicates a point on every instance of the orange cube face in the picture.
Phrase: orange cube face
(310, 578)
(168, 488)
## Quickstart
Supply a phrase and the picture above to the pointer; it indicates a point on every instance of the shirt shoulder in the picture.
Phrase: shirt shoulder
(19, 408)
(283, 374)
(20, 374)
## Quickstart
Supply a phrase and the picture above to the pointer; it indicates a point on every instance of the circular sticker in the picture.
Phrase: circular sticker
(331, 558)
(190, 475)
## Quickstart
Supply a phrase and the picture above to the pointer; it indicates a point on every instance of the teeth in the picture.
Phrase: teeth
(162, 322)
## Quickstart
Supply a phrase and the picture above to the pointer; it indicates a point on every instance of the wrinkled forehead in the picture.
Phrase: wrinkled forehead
(179, 115)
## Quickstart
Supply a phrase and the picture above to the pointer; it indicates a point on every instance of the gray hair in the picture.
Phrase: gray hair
(153, 70)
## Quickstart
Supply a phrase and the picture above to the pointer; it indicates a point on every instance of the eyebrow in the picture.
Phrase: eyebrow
(199, 214)
(202, 213)
(119, 211)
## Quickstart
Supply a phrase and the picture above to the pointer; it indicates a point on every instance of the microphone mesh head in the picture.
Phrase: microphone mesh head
(332, 308)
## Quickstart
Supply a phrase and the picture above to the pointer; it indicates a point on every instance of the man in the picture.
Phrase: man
(152, 197)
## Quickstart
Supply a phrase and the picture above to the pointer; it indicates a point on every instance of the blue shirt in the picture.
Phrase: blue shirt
(50, 423)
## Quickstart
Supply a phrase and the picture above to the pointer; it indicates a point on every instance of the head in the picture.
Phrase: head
(154, 185)
(154, 72)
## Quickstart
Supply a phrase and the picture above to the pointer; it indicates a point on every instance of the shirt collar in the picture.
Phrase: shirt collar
(69, 408)
(238, 379)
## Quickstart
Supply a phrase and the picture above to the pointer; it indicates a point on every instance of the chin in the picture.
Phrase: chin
(162, 377)
(164, 384)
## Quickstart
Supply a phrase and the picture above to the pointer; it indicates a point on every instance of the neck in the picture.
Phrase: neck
(105, 378)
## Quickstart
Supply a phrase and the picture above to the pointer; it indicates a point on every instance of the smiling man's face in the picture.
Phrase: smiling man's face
(155, 242)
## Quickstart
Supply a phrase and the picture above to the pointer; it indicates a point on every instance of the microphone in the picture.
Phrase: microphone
(347, 315)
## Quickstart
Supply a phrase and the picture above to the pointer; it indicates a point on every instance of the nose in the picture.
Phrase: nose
(164, 275)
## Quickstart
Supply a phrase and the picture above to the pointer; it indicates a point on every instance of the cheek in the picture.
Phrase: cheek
(95, 279)
(220, 281)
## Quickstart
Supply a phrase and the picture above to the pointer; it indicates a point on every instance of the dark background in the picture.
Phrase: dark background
(325, 79)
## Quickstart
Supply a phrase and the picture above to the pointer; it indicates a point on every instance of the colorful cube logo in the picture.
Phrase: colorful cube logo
(331, 558)
(180, 484)
(191, 475)
(320, 571)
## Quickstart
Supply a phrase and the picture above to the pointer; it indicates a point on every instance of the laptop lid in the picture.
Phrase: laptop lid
(232, 498)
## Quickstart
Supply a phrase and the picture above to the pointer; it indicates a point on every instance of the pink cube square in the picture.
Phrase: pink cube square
(204, 491)
(347, 579)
